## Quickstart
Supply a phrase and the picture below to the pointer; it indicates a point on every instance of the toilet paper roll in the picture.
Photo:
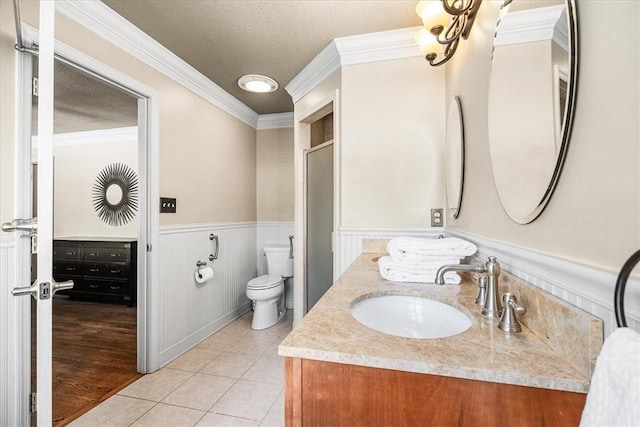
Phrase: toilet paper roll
(203, 274)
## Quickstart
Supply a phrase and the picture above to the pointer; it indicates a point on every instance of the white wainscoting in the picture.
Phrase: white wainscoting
(13, 398)
(587, 287)
(189, 312)
(349, 241)
(269, 233)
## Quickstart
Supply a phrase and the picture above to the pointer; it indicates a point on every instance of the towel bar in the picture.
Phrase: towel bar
(618, 294)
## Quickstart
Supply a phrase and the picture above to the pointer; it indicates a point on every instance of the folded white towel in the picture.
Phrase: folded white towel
(416, 272)
(414, 249)
(614, 395)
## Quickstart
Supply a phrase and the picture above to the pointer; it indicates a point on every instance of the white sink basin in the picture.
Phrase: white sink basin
(410, 316)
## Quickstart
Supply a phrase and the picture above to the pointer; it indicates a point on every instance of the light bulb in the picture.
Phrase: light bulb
(432, 13)
(427, 42)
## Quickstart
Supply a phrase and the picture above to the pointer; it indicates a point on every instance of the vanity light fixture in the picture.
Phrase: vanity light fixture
(257, 83)
(445, 21)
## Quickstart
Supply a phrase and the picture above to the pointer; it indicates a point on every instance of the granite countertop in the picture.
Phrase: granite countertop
(483, 352)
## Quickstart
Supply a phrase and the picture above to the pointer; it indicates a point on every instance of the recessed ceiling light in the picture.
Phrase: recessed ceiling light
(257, 83)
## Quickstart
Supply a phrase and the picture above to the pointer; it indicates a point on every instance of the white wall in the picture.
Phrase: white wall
(189, 312)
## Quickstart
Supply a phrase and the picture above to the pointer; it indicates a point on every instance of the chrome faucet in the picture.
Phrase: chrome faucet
(491, 306)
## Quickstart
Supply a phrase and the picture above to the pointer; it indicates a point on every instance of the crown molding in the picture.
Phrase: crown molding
(106, 23)
(532, 25)
(125, 134)
(380, 46)
(352, 50)
(275, 121)
(322, 66)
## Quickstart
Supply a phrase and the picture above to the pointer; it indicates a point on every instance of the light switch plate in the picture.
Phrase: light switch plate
(167, 205)
(437, 219)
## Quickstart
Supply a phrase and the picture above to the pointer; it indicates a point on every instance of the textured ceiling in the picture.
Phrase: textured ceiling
(82, 103)
(225, 39)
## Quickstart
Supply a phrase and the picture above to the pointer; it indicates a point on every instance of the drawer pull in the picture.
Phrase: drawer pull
(94, 270)
(70, 269)
(116, 271)
(114, 288)
(94, 286)
(70, 253)
(94, 253)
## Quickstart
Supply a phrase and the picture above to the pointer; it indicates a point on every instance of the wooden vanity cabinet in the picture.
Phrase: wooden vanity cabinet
(101, 270)
(333, 394)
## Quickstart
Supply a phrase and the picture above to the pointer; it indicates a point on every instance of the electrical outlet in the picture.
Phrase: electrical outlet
(167, 205)
(437, 219)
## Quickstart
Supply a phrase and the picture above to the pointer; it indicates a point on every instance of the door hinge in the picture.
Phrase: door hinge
(33, 401)
(149, 247)
(34, 245)
(34, 87)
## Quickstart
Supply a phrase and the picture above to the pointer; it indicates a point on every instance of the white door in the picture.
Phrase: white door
(44, 287)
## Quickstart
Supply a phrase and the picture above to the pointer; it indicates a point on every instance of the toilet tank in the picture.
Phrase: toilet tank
(278, 261)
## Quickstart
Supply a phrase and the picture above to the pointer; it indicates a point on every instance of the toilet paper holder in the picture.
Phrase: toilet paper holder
(201, 264)
(203, 273)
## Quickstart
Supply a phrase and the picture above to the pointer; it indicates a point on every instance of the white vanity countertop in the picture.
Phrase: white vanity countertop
(483, 352)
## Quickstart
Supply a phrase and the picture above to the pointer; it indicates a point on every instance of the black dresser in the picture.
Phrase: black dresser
(102, 270)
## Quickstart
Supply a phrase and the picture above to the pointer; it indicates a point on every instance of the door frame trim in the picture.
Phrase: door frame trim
(148, 229)
(302, 143)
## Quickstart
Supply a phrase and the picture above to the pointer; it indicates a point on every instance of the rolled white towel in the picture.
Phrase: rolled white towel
(414, 249)
(416, 272)
(614, 395)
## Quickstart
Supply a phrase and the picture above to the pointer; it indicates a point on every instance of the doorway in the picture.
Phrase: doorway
(94, 325)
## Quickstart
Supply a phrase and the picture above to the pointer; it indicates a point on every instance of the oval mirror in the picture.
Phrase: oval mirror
(114, 194)
(531, 102)
(454, 157)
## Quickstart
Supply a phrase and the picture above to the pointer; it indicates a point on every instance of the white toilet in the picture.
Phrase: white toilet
(267, 291)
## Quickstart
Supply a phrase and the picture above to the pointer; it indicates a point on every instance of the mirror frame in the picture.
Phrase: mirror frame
(455, 106)
(567, 125)
(125, 210)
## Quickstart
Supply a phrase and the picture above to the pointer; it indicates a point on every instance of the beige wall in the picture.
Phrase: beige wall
(7, 39)
(274, 174)
(594, 215)
(393, 127)
(207, 157)
(75, 169)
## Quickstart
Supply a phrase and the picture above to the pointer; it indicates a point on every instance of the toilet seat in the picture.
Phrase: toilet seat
(266, 281)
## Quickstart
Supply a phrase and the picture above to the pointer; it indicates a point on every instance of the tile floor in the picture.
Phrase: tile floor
(233, 378)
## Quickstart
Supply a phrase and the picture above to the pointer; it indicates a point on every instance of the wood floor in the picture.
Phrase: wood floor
(94, 354)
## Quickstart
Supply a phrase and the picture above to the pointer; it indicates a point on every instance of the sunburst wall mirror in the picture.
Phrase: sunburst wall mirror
(115, 194)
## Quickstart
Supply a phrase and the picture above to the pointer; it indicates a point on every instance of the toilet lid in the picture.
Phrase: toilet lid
(264, 282)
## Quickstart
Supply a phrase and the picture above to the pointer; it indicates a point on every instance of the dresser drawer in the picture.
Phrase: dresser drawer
(106, 269)
(66, 268)
(105, 254)
(62, 250)
(103, 287)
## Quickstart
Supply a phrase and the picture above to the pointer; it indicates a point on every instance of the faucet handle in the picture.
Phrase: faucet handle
(508, 320)
(482, 290)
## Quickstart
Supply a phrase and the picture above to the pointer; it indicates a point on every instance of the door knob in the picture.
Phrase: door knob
(43, 290)
(29, 225)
